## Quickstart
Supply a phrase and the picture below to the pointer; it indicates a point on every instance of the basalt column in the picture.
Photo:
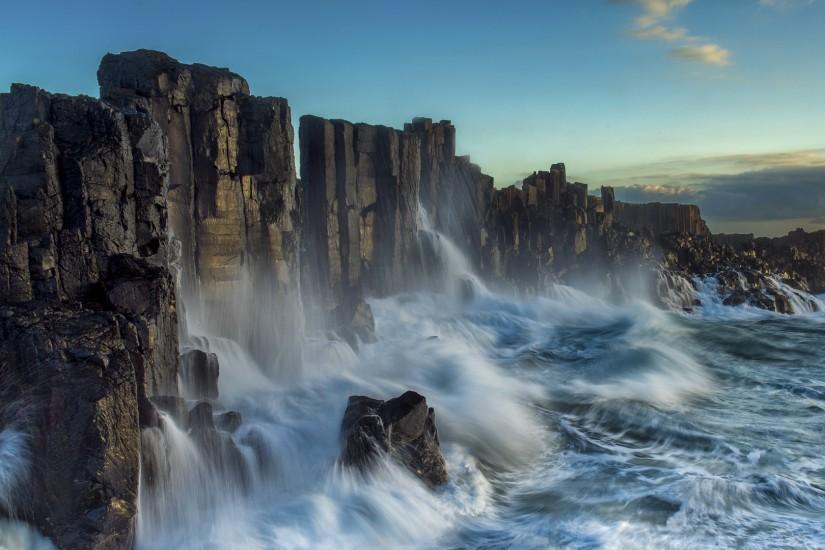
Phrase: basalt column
(454, 193)
(232, 199)
(363, 188)
(360, 188)
(88, 322)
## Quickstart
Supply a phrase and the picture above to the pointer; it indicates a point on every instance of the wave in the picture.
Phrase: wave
(734, 297)
(565, 421)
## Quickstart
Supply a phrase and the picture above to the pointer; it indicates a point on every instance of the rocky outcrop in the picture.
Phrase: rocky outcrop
(551, 230)
(799, 253)
(199, 373)
(365, 189)
(88, 307)
(354, 323)
(657, 218)
(402, 427)
(232, 197)
(777, 274)
(74, 373)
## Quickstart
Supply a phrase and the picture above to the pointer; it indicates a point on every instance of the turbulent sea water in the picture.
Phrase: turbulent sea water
(565, 421)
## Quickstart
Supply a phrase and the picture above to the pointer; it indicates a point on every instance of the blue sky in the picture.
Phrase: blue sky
(658, 96)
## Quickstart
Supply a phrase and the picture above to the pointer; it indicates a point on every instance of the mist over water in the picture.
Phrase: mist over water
(565, 421)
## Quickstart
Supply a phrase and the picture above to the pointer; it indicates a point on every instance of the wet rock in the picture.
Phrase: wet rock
(71, 374)
(229, 421)
(199, 373)
(201, 418)
(363, 191)
(216, 446)
(92, 329)
(355, 323)
(751, 270)
(404, 427)
(174, 406)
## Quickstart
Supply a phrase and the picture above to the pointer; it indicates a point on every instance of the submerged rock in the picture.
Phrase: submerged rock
(355, 323)
(217, 447)
(404, 427)
(199, 371)
(200, 418)
(229, 421)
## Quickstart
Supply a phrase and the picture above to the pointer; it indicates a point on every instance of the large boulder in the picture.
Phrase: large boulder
(403, 427)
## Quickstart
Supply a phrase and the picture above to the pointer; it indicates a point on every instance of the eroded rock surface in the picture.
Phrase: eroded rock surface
(403, 427)
(232, 200)
(89, 319)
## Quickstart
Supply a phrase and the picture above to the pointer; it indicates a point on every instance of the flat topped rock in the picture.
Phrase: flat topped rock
(402, 427)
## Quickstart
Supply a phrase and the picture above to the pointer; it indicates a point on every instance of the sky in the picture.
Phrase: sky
(714, 102)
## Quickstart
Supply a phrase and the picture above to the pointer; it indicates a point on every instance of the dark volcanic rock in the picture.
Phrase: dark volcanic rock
(354, 323)
(74, 375)
(363, 188)
(90, 325)
(551, 230)
(200, 417)
(658, 218)
(752, 271)
(217, 447)
(199, 374)
(233, 205)
(229, 421)
(404, 427)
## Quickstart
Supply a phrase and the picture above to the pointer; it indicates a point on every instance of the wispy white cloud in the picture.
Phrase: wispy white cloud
(710, 54)
(656, 23)
(785, 3)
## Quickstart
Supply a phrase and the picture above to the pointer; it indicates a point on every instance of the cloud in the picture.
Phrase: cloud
(654, 23)
(818, 221)
(801, 157)
(762, 195)
(659, 32)
(711, 54)
(785, 3)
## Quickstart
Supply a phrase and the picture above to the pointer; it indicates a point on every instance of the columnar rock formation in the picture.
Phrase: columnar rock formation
(365, 189)
(232, 195)
(550, 230)
(88, 309)
(661, 218)
(180, 175)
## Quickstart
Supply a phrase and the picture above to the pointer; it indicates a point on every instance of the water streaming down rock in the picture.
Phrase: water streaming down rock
(732, 289)
(540, 402)
(194, 476)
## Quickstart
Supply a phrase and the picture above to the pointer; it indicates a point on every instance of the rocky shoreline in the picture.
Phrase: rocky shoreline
(177, 188)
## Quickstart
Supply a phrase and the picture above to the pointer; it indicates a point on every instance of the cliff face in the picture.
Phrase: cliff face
(661, 218)
(180, 172)
(232, 195)
(551, 230)
(368, 189)
(89, 327)
(365, 191)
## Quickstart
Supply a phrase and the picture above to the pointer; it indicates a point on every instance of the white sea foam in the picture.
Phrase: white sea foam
(565, 420)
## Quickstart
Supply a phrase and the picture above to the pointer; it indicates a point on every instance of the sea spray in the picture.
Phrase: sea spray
(565, 420)
(14, 467)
